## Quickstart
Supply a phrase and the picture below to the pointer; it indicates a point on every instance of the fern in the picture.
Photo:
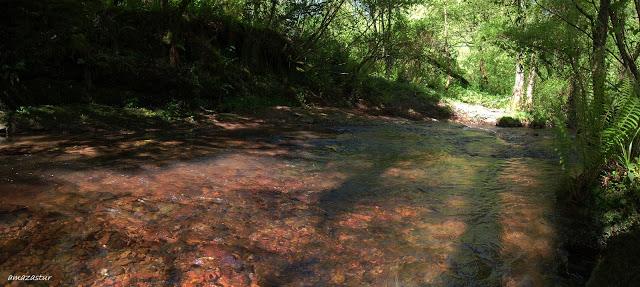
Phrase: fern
(622, 121)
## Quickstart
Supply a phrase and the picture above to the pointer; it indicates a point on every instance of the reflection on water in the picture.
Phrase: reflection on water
(386, 204)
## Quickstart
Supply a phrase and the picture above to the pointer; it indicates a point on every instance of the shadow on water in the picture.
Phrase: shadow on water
(387, 203)
(462, 234)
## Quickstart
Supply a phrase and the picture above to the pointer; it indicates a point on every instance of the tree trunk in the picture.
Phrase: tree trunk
(389, 61)
(446, 48)
(388, 58)
(518, 85)
(183, 6)
(533, 74)
(88, 82)
(174, 55)
(618, 24)
(327, 18)
(572, 90)
(598, 69)
(450, 72)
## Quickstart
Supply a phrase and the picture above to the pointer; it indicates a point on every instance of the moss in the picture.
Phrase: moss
(509, 122)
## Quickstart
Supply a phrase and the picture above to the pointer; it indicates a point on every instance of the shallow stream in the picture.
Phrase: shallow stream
(383, 203)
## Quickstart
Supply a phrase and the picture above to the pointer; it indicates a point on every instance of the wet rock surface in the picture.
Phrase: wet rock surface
(253, 202)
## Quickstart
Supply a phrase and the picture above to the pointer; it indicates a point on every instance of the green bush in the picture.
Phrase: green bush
(509, 122)
(399, 97)
(119, 55)
(477, 97)
(537, 119)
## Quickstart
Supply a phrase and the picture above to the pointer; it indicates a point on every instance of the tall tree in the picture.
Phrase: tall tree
(519, 79)
(618, 21)
(598, 62)
(531, 83)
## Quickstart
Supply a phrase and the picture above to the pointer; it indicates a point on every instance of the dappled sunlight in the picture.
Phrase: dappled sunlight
(440, 236)
(181, 205)
(404, 173)
(356, 221)
(238, 126)
(481, 147)
(439, 242)
(447, 230)
(456, 202)
(292, 207)
(528, 238)
(398, 212)
(429, 171)
(81, 151)
(144, 142)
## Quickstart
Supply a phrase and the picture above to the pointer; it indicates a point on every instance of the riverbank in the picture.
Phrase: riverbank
(95, 117)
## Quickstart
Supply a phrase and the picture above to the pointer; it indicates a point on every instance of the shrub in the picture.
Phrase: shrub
(509, 122)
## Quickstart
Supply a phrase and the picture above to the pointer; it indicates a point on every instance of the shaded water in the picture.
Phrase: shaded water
(386, 203)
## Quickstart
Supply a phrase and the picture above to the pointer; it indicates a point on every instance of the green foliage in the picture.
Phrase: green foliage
(479, 97)
(618, 200)
(538, 120)
(233, 53)
(490, 69)
(399, 98)
(509, 122)
(253, 103)
(211, 54)
(550, 98)
(622, 121)
(82, 117)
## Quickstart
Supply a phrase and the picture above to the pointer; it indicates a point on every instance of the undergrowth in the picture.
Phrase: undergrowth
(478, 97)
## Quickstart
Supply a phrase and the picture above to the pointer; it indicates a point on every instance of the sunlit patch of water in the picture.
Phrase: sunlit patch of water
(395, 204)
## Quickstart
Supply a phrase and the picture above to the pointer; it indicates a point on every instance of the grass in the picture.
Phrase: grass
(472, 96)
(83, 116)
(394, 97)
(400, 98)
(529, 119)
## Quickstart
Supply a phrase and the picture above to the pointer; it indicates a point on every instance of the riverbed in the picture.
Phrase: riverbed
(309, 202)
